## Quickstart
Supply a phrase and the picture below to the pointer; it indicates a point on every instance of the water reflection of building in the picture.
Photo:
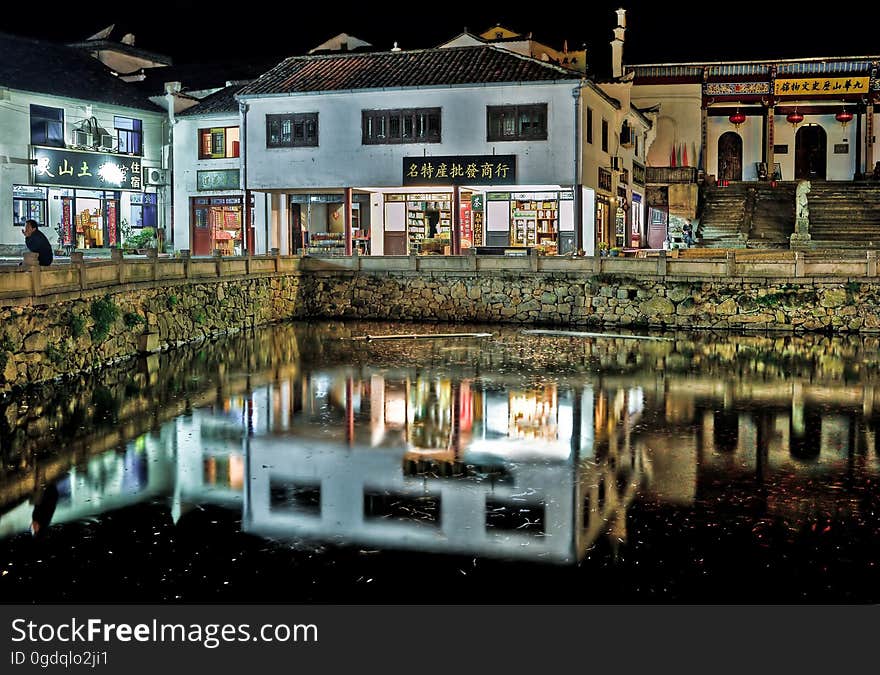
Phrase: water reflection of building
(439, 463)
(144, 469)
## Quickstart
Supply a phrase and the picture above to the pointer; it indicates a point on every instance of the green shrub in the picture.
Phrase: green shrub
(172, 301)
(104, 313)
(77, 324)
(132, 319)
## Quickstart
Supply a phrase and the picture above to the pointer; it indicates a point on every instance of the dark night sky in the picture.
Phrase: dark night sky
(656, 31)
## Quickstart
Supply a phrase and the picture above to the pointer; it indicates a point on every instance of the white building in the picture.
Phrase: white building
(78, 149)
(512, 140)
(208, 199)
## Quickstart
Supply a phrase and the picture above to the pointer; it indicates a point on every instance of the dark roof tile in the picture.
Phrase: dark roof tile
(419, 68)
(222, 101)
(49, 68)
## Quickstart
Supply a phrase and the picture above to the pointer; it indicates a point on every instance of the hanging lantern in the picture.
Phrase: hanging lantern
(844, 117)
(794, 118)
(737, 118)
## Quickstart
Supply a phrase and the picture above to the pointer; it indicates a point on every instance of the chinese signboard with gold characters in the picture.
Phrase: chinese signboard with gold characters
(822, 86)
(460, 170)
(96, 170)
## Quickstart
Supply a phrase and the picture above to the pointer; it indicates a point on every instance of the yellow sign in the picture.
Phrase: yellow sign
(822, 85)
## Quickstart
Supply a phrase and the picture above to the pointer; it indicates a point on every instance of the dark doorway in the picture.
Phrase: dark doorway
(810, 154)
(296, 238)
(730, 156)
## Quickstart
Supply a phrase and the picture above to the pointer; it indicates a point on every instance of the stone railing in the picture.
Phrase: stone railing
(30, 280)
(712, 264)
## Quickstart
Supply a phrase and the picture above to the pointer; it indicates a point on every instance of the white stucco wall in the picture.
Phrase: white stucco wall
(186, 166)
(341, 160)
(678, 121)
(15, 135)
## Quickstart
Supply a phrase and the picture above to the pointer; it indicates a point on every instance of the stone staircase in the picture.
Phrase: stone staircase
(772, 211)
(844, 215)
(723, 216)
(747, 215)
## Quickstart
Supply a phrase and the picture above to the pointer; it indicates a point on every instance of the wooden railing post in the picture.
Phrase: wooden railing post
(218, 262)
(871, 264)
(276, 254)
(798, 264)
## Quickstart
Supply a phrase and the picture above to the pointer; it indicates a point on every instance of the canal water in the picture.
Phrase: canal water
(296, 464)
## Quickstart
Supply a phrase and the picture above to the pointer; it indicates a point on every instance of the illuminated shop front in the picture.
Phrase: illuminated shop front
(84, 197)
(218, 225)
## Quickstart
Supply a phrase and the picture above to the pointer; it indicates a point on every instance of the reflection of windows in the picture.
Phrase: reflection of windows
(292, 130)
(294, 497)
(422, 509)
(517, 122)
(522, 516)
(47, 126)
(129, 135)
(219, 143)
(224, 471)
(413, 125)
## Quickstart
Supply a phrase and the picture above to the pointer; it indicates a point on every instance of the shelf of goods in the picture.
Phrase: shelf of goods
(417, 224)
(326, 243)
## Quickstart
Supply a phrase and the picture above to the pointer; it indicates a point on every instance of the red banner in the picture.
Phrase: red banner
(111, 222)
(467, 225)
(66, 221)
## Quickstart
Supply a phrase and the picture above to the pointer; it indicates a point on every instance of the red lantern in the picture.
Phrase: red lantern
(737, 118)
(794, 118)
(844, 117)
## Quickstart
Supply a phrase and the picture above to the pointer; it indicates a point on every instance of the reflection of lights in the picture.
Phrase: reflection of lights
(321, 383)
(636, 400)
(533, 415)
(395, 410)
(112, 173)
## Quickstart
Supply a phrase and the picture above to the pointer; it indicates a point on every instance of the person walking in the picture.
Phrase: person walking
(37, 242)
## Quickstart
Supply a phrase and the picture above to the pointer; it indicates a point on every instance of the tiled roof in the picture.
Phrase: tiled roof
(419, 68)
(222, 101)
(49, 68)
(121, 47)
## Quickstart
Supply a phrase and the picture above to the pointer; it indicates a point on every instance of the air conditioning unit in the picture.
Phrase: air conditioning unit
(616, 164)
(155, 176)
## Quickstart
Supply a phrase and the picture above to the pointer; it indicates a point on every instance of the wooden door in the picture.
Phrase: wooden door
(810, 154)
(202, 240)
(730, 156)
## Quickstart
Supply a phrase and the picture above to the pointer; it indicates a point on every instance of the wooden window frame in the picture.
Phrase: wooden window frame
(294, 119)
(590, 125)
(211, 132)
(604, 135)
(135, 135)
(376, 126)
(494, 111)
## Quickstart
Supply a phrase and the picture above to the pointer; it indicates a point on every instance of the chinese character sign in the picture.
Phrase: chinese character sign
(95, 170)
(467, 228)
(822, 86)
(460, 170)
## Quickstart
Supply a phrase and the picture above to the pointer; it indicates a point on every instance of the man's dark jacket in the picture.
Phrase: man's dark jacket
(38, 243)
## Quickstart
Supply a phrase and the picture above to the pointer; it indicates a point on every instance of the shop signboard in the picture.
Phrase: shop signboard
(460, 170)
(822, 85)
(467, 228)
(218, 179)
(66, 220)
(82, 169)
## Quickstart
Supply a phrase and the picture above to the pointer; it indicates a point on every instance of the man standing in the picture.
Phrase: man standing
(37, 242)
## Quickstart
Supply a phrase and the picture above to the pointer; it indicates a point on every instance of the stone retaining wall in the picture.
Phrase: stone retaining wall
(796, 304)
(80, 332)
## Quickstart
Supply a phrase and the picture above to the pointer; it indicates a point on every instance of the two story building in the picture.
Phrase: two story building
(507, 150)
(80, 150)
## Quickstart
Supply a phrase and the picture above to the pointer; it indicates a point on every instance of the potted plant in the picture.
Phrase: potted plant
(603, 248)
(614, 252)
